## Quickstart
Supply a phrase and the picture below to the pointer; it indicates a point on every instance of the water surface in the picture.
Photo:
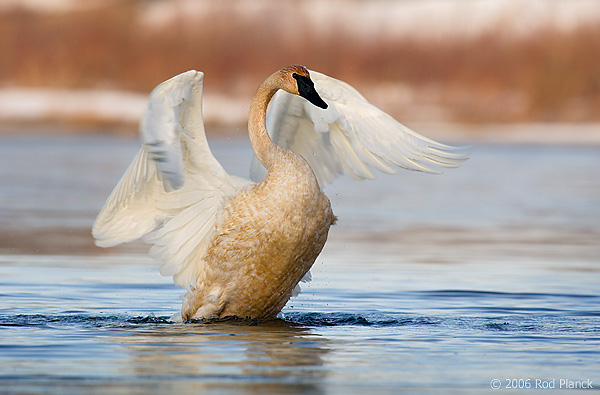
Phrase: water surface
(427, 284)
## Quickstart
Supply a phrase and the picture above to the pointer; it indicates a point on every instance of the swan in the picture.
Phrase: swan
(240, 247)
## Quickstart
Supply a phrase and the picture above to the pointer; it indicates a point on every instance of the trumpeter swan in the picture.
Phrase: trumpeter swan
(239, 247)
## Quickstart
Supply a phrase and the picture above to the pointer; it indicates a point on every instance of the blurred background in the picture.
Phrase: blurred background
(489, 271)
(82, 66)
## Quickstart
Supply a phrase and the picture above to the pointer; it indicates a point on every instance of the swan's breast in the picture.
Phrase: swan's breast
(268, 237)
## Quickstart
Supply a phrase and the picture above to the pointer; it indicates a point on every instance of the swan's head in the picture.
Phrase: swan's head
(296, 80)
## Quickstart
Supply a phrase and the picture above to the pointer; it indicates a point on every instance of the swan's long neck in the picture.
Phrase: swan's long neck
(264, 148)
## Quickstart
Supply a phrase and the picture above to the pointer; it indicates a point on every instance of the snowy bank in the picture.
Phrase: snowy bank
(101, 107)
(34, 106)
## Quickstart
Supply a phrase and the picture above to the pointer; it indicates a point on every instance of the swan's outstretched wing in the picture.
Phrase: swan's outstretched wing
(350, 137)
(173, 190)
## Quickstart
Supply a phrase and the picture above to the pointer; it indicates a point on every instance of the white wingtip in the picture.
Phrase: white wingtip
(161, 128)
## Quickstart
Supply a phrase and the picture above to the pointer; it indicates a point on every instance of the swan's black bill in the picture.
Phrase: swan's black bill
(306, 89)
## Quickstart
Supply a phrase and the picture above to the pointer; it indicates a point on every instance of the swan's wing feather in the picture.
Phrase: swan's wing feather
(173, 190)
(160, 127)
(180, 242)
(128, 212)
(351, 136)
(173, 131)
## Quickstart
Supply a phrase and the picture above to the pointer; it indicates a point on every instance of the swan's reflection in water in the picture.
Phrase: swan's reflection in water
(276, 356)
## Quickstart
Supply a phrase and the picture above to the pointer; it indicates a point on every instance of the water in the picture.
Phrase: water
(427, 284)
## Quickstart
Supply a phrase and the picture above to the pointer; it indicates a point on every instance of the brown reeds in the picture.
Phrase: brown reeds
(547, 75)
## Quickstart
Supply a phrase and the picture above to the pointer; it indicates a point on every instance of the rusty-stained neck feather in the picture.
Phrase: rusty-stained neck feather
(263, 146)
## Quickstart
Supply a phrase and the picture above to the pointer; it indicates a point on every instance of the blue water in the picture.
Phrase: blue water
(428, 283)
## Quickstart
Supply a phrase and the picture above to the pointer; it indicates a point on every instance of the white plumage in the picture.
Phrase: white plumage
(351, 137)
(240, 247)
